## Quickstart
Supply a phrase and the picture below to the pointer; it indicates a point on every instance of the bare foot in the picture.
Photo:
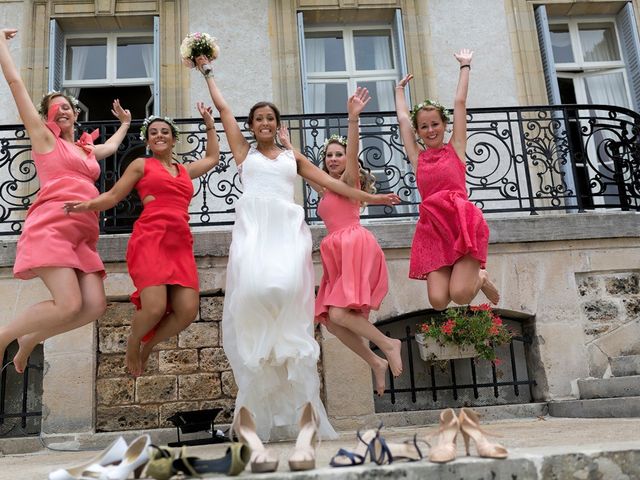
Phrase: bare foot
(22, 356)
(394, 357)
(380, 374)
(133, 357)
(488, 288)
(145, 351)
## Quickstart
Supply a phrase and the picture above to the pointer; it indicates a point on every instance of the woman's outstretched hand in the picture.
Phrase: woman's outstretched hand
(75, 207)
(283, 137)
(357, 101)
(120, 113)
(464, 56)
(385, 199)
(207, 115)
(9, 33)
(405, 80)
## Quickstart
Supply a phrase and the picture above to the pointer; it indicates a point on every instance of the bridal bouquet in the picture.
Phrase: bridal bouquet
(197, 44)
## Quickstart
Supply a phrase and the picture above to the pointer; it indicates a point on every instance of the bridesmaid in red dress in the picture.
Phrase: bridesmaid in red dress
(450, 244)
(354, 279)
(54, 247)
(160, 251)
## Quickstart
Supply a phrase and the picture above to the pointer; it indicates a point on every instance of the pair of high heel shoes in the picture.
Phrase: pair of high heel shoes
(467, 422)
(116, 462)
(263, 460)
(373, 447)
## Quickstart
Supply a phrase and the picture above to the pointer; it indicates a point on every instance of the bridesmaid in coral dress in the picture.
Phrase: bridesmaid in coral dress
(354, 279)
(450, 244)
(160, 251)
(57, 248)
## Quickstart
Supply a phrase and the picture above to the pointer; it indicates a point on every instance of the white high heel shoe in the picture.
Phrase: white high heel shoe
(133, 460)
(110, 455)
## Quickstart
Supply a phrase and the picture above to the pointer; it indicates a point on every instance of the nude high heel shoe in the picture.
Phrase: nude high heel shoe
(470, 428)
(262, 460)
(304, 453)
(445, 449)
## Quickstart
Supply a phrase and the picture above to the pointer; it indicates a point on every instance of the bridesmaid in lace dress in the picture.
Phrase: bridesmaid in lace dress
(450, 244)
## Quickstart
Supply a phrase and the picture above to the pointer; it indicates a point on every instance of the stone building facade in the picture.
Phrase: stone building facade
(575, 276)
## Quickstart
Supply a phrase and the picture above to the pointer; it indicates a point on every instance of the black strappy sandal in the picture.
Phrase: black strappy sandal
(366, 446)
(408, 451)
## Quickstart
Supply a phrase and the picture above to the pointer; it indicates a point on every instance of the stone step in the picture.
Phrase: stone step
(609, 387)
(622, 407)
(625, 366)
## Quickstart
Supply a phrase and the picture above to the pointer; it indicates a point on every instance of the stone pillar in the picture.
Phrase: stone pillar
(348, 382)
(68, 388)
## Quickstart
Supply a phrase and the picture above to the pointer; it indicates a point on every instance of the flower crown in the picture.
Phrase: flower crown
(428, 103)
(153, 118)
(74, 101)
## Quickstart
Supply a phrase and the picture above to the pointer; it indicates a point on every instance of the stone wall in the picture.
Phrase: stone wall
(610, 306)
(187, 372)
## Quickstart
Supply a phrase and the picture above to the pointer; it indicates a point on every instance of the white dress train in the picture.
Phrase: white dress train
(267, 322)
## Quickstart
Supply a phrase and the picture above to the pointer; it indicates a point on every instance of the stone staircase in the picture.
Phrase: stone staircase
(616, 396)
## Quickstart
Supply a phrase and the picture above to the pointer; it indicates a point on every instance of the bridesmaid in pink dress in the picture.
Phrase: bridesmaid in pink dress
(354, 279)
(58, 248)
(450, 244)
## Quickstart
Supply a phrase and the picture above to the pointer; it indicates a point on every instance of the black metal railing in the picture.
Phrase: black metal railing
(519, 160)
(21, 395)
(455, 383)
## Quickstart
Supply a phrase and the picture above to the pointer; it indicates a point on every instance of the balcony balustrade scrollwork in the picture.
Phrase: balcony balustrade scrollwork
(520, 160)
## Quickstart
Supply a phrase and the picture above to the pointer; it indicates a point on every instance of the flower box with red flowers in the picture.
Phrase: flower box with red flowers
(464, 332)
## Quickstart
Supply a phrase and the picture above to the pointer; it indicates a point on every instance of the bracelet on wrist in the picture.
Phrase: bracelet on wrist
(128, 124)
(465, 66)
(210, 128)
(353, 120)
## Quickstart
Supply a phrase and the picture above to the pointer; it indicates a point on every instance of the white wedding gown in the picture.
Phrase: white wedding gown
(268, 307)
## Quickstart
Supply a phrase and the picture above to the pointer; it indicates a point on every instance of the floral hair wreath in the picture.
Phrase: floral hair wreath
(335, 138)
(149, 120)
(74, 100)
(429, 103)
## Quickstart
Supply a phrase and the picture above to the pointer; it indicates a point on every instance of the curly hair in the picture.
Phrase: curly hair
(367, 180)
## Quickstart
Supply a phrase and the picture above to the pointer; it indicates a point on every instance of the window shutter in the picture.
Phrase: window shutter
(546, 53)
(156, 65)
(56, 55)
(303, 63)
(401, 52)
(630, 42)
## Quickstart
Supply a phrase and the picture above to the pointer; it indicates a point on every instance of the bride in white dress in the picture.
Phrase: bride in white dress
(269, 298)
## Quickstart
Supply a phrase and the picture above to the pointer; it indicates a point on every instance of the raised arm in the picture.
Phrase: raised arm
(407, 133)
(42, 140)
(355, 106)
(238, 144)
(111, 198)
(212, 154)
(459, 135)
(109, 147)
(285, 140)
(312, 173)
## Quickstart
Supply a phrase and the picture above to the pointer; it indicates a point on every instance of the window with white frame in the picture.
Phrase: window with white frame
(591, 60)
(588, 61)
(340, 60)
(97, 67)
(336, 59)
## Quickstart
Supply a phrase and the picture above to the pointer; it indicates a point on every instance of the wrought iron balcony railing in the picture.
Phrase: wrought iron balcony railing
(567, 158)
